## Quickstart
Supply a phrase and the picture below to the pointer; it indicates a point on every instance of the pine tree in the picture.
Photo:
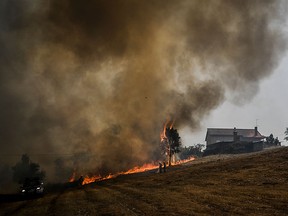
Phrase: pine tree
(172, 143)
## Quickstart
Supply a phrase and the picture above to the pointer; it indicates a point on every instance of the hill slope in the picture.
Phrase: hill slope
(254, 184)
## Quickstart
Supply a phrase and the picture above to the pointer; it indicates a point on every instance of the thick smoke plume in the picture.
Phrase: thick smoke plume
(95, 80)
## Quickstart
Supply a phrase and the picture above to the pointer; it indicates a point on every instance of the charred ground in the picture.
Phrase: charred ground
(255, 183)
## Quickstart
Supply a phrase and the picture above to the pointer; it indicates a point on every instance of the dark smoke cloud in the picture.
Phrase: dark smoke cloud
(99, 78)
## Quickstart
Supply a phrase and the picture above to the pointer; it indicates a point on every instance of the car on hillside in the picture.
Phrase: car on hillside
(32, 186)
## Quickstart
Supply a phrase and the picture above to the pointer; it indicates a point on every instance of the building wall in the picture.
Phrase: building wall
(251, 139)
(217, 139)
(233, 148)
(211, 139)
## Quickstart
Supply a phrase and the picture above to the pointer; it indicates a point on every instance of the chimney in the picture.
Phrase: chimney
(255, 131)
(234, 135)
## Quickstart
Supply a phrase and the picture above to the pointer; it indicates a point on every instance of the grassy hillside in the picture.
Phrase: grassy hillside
(253, 184)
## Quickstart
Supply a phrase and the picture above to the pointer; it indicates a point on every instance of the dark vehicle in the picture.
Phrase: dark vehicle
(32, 186)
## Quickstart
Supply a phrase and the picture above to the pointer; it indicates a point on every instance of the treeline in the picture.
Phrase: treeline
(196, 150)
(25, 168)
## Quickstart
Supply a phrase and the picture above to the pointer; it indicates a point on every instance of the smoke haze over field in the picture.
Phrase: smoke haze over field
(97, 80)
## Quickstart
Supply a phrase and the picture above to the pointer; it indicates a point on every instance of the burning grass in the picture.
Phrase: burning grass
(138, 169)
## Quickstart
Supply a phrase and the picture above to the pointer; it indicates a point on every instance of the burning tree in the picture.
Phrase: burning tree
(170, 142)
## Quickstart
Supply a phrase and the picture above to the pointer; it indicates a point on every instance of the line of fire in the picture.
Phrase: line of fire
(170, 143)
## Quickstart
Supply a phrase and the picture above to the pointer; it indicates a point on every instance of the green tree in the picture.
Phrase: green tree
(286, 134)
(270, 139)
(26, 169)
(195, 150)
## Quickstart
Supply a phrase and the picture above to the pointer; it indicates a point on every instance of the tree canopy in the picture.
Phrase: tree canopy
(286, 134)
(26, 169)
(271, 140)
(172, 142)
(189, 151)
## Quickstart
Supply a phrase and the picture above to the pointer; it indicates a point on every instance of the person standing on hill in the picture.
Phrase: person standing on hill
(164, 166)
(160, 168)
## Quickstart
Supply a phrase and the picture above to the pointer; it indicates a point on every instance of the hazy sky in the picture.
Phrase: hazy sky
(269, 107)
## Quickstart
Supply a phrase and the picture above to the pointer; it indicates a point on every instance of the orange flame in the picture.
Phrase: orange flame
(72, 178)
(171, 126)
(143, 168)
(163, 133)
(137, 169)
(88, 179)
(184, 161)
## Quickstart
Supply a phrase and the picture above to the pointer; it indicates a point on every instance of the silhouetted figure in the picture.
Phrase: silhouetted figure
(160, 167)
(80, 180)
(164, 166)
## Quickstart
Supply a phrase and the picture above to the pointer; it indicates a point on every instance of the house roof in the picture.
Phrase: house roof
(230, 131)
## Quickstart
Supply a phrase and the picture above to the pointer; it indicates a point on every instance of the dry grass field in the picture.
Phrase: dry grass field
(246, 184)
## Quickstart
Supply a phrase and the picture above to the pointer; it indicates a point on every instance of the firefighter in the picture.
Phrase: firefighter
(164, 166)
(80, 180)
(160, 168)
